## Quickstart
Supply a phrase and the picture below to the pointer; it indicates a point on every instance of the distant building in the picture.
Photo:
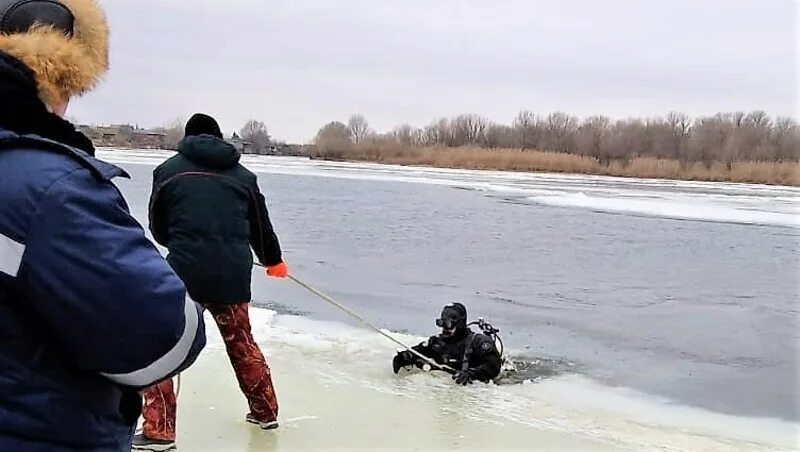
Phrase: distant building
(124, 135)
(243, 146)
(113, 135)
(147, 139)
(131, 136)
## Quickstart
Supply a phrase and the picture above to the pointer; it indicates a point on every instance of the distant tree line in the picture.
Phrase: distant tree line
(724, 137)
(254, 133)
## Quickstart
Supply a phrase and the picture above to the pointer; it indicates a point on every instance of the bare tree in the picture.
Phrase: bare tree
(560, 132)
(358, 127)
(468, 129)
(419, 137)
(624, 141)
(333, 140)
(758, 118)
(736, 118)
(680, 127)
(526, 129)
(173, 133)
(256, 133)
(404, 134)
(709, 138)
(592, 135)
(500, 136)
(437, 133)
(786, 139)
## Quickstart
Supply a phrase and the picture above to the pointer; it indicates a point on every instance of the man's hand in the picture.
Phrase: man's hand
(278, 271)
(463, 377)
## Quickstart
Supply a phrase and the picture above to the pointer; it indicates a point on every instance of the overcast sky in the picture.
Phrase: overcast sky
(296, 64)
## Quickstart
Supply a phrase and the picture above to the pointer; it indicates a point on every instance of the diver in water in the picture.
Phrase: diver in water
(468, 355)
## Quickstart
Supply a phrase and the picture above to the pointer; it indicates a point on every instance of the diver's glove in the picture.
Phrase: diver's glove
(403, 359)
(463, 377)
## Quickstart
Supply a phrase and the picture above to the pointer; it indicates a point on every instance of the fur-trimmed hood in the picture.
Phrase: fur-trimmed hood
(64, 66)
(22, 112)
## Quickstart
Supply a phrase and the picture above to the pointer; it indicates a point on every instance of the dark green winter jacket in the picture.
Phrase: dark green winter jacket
(208, 211)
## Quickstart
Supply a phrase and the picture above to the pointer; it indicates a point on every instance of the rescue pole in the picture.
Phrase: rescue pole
(364, 321)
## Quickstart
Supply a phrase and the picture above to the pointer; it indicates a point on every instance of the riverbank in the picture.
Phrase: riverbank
(473, 158)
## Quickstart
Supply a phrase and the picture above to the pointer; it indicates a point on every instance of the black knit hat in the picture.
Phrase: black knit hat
(201, 124)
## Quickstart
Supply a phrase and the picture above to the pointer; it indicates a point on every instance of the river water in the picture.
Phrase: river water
(686, 293)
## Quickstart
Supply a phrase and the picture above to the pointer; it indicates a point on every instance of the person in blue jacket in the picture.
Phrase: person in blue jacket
(90, 313)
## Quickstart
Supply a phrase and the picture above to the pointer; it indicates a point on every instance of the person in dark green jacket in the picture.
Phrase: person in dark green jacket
(208, 210)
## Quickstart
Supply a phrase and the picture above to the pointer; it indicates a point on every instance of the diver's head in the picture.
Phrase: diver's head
(453, 319)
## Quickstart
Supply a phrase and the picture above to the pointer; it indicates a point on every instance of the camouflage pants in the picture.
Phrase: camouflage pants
(249, 365)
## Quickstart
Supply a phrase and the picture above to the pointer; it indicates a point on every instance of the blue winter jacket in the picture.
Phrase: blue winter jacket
(90, 312)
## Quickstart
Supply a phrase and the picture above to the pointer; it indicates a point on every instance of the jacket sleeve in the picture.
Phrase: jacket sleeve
(424, 349)
(156, 213)
(406, 358)
(490, 361)
(262, 236)
(111, 302)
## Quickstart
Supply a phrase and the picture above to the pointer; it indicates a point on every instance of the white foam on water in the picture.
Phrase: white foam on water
(339, 354)
(696, 209)
(703, 201)
(665, 415)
